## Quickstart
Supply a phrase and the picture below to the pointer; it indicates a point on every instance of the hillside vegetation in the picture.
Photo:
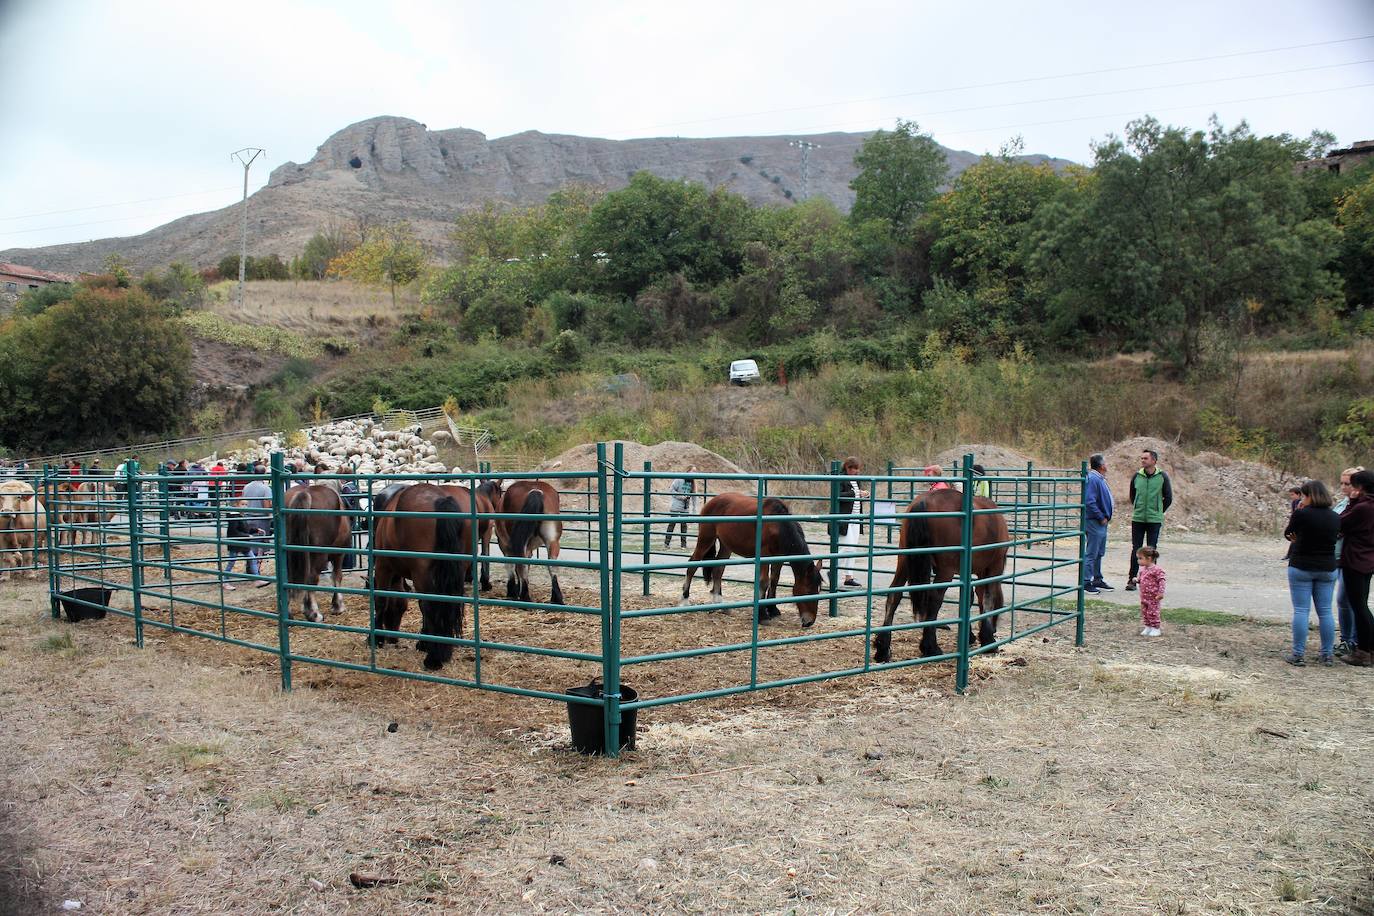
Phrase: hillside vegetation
(990, 311)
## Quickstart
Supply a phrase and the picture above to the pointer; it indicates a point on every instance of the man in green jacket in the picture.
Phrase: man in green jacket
(1151, 496)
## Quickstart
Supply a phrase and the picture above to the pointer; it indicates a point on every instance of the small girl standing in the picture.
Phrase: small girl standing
(1151, 584)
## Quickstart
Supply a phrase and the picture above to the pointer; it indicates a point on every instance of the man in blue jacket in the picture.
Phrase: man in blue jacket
(1097, 512)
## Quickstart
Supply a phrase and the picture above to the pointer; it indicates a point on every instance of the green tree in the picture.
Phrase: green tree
(320, 250)
(37, 301)
(1178, 231)
(979, 251)
(389, 254)
(656, 227)
(899, 174)
(179, 288)
(104, 366)
(1355, 216)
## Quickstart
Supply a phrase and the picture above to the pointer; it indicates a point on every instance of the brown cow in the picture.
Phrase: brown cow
(23, 523)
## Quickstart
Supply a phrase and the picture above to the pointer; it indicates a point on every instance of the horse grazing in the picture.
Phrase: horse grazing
(943, 566)
(522, 537)
(22, 525)
(325, 534)
(781, 538)
(450, 536)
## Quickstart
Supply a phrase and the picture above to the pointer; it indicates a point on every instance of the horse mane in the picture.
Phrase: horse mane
(791, 540)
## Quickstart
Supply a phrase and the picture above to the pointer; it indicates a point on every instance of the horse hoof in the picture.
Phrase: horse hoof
(315, 617)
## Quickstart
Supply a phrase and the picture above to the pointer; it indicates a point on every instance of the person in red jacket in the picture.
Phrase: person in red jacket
(1357, 564)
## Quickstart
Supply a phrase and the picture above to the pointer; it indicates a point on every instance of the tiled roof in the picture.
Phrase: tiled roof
(33, 273)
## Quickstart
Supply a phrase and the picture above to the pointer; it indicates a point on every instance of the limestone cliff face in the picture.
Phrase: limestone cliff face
(390, 168)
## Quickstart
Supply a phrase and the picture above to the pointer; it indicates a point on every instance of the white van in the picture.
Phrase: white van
(744, 372)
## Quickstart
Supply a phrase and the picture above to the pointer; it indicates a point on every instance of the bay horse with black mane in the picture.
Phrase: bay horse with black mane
(449, 535)
(522, 537)
(943, 566)
(325, 534)
(781, 538)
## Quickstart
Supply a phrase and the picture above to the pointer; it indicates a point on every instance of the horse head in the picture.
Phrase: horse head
(807, 579)
(492, 490)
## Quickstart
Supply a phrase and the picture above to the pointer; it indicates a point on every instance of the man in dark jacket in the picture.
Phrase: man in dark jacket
(1151, 496)
(1097, 512)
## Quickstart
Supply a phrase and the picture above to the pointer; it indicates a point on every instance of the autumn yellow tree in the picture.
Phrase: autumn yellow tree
(389, 254)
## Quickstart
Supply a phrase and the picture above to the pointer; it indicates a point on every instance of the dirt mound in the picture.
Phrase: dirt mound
(1211, 491)
(989, 456)
(666, 456)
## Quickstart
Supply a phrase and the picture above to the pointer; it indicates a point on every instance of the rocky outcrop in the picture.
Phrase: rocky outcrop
(390, 168)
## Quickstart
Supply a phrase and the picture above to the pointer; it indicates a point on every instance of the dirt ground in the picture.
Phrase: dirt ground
(1189, 774)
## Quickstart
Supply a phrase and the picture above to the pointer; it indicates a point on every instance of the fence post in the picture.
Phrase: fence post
(965, 575)
(833, 527)
(889, 497)
(131, 494)
(164, 498)
(648, 531)
(1082, 542)
(51, 509)
(610, 662)
(281, 563)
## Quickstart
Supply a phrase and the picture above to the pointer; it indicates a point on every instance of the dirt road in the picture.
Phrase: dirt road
(1236, 574)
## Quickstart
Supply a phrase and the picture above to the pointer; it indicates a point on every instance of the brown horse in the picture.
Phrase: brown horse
(522, 537)
(943, 566)
(325, 534)
(448, 535)
(782, 538)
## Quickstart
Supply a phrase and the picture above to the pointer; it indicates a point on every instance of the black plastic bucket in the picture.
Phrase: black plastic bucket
(78, 612)
(588, 722)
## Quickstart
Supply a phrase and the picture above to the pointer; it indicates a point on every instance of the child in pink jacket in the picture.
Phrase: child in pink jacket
(1151, 583)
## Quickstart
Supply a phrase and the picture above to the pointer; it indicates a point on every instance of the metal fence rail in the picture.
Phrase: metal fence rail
(173, 564)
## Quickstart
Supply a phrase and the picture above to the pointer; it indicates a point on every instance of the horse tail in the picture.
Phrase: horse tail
(918, 535)
(445, 572)
(448, 539)
(526, 528)
(298, 534)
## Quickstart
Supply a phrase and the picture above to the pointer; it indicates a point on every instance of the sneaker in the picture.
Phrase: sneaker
(1130, 585)
(1144, 631)
(850, 582)
(1342, 648)
(229, 587)
(1155, 631)
(1295, 660)
(264, 584)
(1328, 661)
(1103, 586)
(1091, 589)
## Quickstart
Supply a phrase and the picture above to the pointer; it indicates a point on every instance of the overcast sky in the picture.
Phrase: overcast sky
(122, 116)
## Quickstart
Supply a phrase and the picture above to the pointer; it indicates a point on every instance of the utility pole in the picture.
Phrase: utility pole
(246, 157)
(806, 146)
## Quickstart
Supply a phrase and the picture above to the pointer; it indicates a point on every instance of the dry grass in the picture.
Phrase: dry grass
(323, 308)
(1185, 775)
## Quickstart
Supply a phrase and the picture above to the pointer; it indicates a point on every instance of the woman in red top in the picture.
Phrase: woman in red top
(1357, 564)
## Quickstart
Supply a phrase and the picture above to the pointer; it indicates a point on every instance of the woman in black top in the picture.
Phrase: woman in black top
(1313, 530)
(1357, 563)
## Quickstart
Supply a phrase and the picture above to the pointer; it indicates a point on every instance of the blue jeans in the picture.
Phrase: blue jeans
(1095, 546)
(1345, 615)
(1308, 588)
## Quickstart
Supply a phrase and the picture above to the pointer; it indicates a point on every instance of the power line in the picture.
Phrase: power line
(856, 144)
(1010, 82)
(1093, 95)
(126, 203)
(97, 222)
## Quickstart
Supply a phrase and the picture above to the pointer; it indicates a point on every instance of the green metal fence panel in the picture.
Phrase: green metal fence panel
(162, 545)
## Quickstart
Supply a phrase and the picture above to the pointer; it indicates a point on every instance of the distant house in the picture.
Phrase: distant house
(16, 279)
(1340, 160)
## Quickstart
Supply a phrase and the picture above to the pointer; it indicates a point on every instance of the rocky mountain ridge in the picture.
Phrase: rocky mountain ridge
(390, 168)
